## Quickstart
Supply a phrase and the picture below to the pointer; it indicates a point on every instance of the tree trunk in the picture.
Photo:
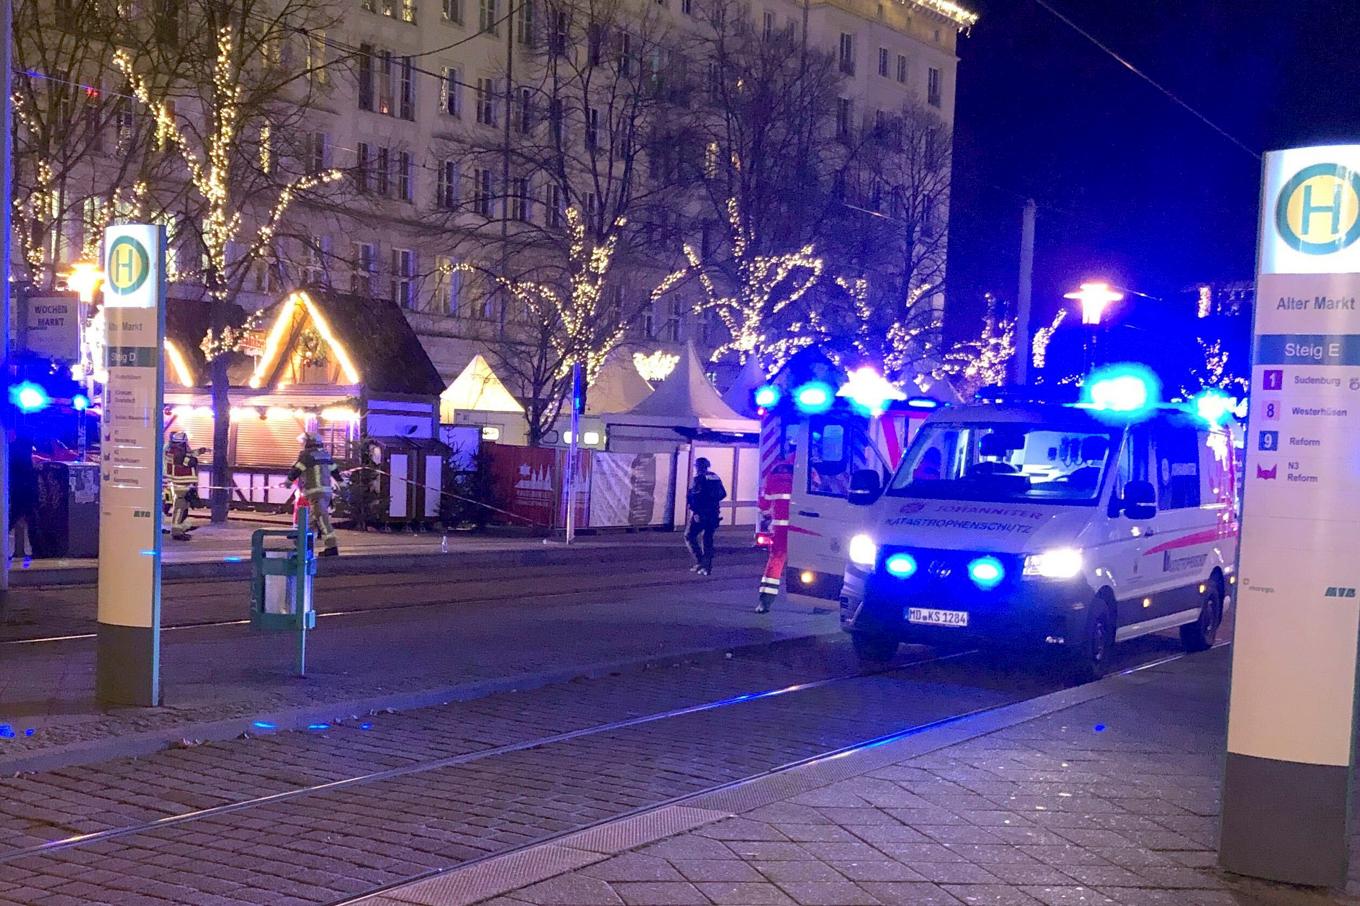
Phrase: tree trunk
(220, 497)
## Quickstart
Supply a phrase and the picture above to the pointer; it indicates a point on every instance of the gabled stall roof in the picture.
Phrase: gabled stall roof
(479, 389)
(741, 395)
(374, 343)
(618, 387)
(687, 401)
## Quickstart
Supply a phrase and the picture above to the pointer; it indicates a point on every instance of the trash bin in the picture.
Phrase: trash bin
(282, 564)
(68, 510)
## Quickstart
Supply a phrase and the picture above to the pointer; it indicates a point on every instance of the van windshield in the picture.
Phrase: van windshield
(1010, 462)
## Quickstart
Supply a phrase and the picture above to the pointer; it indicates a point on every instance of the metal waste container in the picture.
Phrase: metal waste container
(68, 510)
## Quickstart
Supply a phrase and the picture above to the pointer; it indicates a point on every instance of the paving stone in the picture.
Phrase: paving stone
(876, 870)
(1070, 896)
(675, 893)
(744, 894)
(991, 895)
(633, 867)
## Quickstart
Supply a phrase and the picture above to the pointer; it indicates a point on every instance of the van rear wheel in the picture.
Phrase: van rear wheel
(1199, 635)
(873, 650)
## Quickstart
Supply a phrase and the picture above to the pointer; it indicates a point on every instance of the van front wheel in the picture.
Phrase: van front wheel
(1199, 635)
(1091, 660)
(873, 650)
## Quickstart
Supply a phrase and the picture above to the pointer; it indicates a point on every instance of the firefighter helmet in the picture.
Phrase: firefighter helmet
(179, 437)
(310, 439)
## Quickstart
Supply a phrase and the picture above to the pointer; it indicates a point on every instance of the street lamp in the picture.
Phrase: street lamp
(84, 278)
(1093, 298)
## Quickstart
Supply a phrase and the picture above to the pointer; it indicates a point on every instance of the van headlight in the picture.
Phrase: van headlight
(1059, 563)
(863, 550)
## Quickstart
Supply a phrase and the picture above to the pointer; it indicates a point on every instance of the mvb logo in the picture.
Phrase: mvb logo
(1267, 474)
(1339, 591)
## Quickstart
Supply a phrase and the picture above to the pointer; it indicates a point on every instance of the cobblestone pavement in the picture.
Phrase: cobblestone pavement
(340, 842)
(1111, 801)
(526, 624)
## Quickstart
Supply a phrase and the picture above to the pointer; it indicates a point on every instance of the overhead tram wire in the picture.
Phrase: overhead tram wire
(1147, 78)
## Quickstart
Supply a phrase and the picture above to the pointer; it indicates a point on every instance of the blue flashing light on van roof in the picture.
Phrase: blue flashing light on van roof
(1214, 406)
(1124, 392)
(814, 397)
(80, 402)
(767, 396)
(923, 402)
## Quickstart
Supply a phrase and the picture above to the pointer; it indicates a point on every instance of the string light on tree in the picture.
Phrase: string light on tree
(974, 364)
(764, 287)
(1043, 336)
(655, 366)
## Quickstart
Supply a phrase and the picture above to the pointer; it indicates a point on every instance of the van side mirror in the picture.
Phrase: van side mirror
(1139, 500)
(865, 486)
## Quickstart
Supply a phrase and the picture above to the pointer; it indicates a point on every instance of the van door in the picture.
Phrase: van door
(822, 517)
(1186, 529)
(1127, 538)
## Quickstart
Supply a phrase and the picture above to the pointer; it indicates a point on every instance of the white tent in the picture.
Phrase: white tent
(618, 387)
(687, 401)
(477, 389)
(740, 395)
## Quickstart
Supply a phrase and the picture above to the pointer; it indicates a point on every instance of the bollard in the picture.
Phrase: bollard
(281, 584)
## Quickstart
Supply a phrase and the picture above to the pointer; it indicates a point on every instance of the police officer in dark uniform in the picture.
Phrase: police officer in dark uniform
(705, 493)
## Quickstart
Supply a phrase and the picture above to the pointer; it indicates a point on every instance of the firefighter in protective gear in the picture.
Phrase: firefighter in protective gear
(775, 504)
(316, 470)
(181, 482)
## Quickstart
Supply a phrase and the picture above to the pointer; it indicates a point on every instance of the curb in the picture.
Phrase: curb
(232, 566)
(138, 745)
(483, 879)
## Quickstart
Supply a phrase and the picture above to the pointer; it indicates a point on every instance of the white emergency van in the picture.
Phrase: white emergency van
(1045, 526)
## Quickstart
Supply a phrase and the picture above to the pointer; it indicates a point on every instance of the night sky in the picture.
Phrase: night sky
(1129, 186)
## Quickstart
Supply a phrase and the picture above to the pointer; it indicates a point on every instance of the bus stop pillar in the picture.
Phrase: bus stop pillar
(1291, 721)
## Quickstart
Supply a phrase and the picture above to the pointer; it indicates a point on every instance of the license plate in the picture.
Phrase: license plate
(929, 616)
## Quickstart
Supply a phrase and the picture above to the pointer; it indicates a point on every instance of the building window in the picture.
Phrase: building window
(592, 128)
(385, 80)
(363, 161)
(486, 102)
(553, 209)
(405, 176)
(524, 114)
(687, 7)
(847, 53)
(314, 256)
(557, 42)
(408, 89)
(317, 59)
(711, 160)
(519, 199)
(365, 265)
(483, 197)
(767, 26)
(902, 68)
(453, 11)
(318, 152)
(845, 112)
(450, 93)
(883, 62)
(447, 286)
(524, 25)
(369, 6)
(555, 120)
(626, 66)
(404, 277)
(447, 190)
(408, 11)
(382, 171)
(365, 76)
(934, 87)
(488, 16)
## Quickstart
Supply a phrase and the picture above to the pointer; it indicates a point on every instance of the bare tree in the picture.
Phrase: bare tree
(558, 179)
(234, 113)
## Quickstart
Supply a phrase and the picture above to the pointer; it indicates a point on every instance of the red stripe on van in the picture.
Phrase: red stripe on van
(1206, 536)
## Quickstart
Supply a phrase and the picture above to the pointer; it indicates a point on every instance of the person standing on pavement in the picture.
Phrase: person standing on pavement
(23, 495)
(775, 503)
(706, 492)
(181, 482)
(316, 471)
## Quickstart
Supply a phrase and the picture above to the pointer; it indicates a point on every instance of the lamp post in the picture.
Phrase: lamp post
(1093, 298)
(85, 278)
